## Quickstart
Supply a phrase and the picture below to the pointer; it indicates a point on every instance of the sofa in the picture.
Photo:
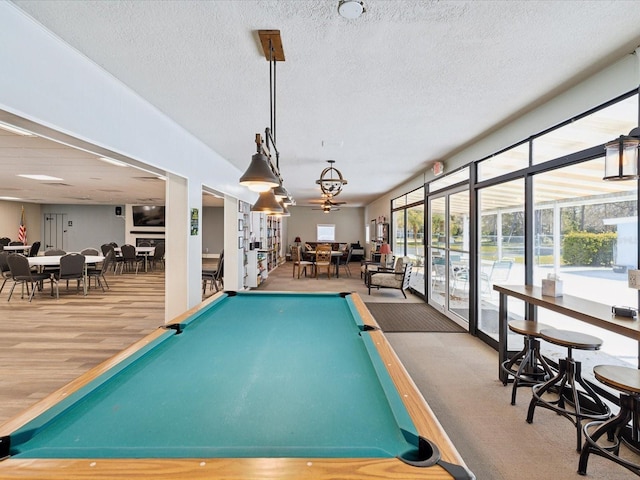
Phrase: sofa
(336, 246)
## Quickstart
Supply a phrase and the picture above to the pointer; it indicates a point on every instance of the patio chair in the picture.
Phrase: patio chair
(499, 273)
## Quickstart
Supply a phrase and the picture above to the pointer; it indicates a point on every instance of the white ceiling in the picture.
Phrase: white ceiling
(385, 95)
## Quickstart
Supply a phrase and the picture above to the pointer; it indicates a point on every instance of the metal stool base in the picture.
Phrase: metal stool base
(586, 404)
(532, 368)
(618, 431)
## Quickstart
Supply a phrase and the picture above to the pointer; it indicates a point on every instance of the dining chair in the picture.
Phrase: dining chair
(296, 258)
(158, 256)
(90, 251)
(129, 258)
(344, 261)
(35, 248)
(115, 258)
(323, 259)
(21, 274)
(53, 252)
(5, 271)
(98, 273)
(71, 268)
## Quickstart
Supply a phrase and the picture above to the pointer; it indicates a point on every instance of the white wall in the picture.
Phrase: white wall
(349, 222)
(91, 226)
(212, 229)
(10, 216)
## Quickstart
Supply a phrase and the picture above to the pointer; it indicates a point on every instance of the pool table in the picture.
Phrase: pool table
(246, 385)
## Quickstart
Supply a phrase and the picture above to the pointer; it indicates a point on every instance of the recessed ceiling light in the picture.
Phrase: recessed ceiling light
(118, 163)
(16, 130)
(9, 198)
(42, 177)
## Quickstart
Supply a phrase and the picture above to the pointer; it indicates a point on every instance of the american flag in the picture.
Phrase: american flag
(22, 231)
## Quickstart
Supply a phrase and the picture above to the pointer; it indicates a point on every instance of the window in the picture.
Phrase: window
(326, 232)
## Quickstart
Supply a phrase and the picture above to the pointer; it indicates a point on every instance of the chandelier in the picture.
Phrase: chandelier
(263, 175)
(331, 181)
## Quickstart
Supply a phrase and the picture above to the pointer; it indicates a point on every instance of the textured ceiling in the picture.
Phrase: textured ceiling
(385, 95)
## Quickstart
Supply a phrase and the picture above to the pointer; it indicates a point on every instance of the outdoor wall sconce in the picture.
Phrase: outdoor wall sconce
(621, 157)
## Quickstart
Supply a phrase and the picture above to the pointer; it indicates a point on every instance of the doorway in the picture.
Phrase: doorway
(448, 253)
(55, 231)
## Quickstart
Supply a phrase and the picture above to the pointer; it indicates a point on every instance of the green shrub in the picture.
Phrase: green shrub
(584, 248)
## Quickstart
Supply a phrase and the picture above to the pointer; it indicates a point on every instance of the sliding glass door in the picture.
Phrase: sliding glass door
(448, 252)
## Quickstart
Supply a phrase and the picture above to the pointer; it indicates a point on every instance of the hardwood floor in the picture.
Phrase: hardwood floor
(47, 343)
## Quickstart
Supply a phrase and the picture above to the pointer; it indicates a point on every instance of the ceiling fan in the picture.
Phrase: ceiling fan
(328, 205)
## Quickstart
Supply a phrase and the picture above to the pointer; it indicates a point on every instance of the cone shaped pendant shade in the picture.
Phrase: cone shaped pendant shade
(267, 203)
(259, 176)
(285, 211)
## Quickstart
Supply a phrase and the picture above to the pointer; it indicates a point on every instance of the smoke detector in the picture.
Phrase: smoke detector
(350, 8)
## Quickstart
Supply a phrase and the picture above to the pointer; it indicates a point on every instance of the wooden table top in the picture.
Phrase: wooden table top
(594, 313)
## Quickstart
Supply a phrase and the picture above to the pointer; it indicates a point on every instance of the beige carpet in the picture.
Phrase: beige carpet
(458, 376)
(411, 317)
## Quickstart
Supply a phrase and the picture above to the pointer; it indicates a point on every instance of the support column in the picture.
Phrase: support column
(183, 258)
(233, 263)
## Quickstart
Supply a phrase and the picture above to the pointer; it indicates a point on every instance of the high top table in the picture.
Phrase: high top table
(587, 311)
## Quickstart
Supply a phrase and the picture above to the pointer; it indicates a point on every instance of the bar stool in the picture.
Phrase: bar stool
(571, 403)
(527, 367)
(627, 381)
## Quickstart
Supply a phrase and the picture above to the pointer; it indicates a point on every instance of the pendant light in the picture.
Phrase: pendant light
(259, 177)
(262, 175)
(267, 203)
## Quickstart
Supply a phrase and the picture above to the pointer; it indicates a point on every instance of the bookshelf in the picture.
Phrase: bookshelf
(244, 236)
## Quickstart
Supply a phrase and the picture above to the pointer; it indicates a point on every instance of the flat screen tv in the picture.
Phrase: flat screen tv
(148, 215)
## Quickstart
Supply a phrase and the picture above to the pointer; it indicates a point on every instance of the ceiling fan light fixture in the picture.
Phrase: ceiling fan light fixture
(350, 9)
(330, 186)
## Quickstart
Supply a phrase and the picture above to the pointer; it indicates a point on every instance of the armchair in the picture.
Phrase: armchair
(397, 278)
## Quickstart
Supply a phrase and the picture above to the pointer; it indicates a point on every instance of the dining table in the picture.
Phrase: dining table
(145, 252)
(54, 261)
(337, 254)
(17, 248)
